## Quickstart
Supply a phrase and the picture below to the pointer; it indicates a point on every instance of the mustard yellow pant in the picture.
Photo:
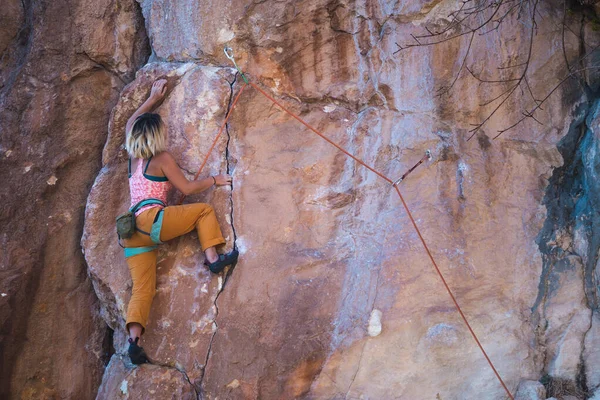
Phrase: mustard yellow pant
(177, 221)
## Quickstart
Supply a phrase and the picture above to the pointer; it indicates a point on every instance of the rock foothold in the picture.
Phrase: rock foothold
(122, 380)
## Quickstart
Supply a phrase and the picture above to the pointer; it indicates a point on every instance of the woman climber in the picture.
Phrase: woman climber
(152, 173)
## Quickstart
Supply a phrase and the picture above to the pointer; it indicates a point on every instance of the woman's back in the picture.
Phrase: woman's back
(143, 185)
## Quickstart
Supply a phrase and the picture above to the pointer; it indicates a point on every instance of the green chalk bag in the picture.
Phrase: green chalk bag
(126, 225)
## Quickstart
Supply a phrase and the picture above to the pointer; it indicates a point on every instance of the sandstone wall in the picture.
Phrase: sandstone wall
(333, 296)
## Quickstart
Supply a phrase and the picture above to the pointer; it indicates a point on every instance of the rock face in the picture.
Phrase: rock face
(62, 67)
(334, 296)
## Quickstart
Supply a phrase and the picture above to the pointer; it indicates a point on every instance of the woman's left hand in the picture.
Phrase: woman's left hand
(158, 91)
(222, 180)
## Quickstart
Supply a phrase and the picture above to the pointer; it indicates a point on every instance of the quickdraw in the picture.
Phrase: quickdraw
(427, 156)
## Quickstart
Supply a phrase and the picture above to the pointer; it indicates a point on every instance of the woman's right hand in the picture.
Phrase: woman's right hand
(222, 180)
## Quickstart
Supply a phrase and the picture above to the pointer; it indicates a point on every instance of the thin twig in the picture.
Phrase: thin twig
(482, 80)
(539, 105)
(419, 44)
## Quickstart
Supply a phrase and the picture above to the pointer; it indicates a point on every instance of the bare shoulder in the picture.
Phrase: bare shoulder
(165, 160)
(164, 156)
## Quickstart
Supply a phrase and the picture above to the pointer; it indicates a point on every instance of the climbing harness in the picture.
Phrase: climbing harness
(229, 53)
(154, 231)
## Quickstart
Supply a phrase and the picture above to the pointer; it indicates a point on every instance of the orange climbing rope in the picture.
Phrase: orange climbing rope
(381, 175)
(450, 293)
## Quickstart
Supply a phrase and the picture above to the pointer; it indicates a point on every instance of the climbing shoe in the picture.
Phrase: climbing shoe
(223, 261)
(137, 353)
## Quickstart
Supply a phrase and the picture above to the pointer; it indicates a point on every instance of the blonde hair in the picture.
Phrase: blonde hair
(147, 136)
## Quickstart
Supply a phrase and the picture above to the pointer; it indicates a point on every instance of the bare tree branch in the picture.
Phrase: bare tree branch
(471, 30)
(520, 80)
(466, 20)
(539, 105)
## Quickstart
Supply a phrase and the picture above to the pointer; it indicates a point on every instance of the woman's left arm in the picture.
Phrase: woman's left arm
(157, 93)
(172, 171)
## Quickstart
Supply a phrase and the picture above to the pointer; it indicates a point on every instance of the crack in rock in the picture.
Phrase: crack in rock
(229, 270)
(182, 372)
(362, 353)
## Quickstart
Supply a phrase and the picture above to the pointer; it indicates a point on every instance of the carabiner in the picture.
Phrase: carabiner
(226, 50)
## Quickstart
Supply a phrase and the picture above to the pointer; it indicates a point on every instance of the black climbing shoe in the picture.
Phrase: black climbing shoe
(223, 261)
(137, 353)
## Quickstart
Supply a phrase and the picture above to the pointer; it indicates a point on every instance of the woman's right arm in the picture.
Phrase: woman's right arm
(181, 183)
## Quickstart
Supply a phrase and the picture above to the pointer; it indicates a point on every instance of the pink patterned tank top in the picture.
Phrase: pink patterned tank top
(142, 186)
